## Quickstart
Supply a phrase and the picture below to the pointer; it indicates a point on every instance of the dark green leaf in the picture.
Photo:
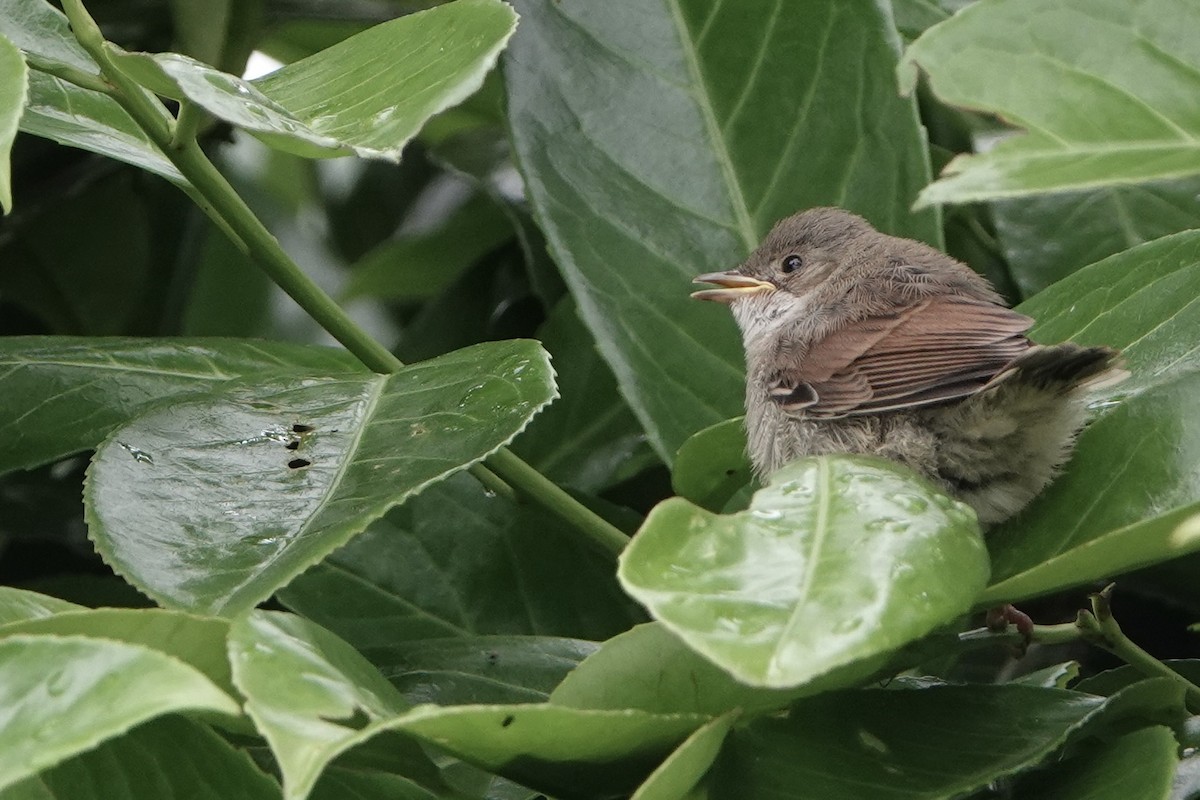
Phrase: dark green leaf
(936, 742)
(712, 468)
(64, 695)
(1131, 492)
(1137, 766)
(60, 395)
(589, 439)
(1132, 71)
(1112, 681)
(458, 561)
(481, 669)
(210, 505)
(655, 150)
(1046, 238)
(170, 758)
(838, 560)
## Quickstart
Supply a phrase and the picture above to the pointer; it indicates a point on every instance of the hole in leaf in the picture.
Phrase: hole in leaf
(298, 463)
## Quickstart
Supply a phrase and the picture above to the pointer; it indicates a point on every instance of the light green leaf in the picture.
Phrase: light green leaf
(65, 695)
(63, 394)
(654, 150)
(368, 95)
(1131, 493)
(42, 32)
(838, 560)
(458, 561)
(17, 605)
(1132, 71)
(311, 696)
(683, 769)
(170, 758)
(211, 505)
(196, 641)
(1057, 676)
(14, 88)
(932, 743)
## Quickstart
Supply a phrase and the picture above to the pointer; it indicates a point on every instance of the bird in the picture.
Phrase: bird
(861, 342)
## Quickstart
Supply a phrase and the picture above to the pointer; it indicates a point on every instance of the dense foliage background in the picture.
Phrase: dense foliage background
(389, 569)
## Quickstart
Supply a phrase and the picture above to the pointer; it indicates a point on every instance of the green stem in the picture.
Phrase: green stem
(218, 199)
(74, 75)
(1100, 628)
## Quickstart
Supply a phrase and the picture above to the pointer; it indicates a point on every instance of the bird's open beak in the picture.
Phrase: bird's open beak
(733, 285)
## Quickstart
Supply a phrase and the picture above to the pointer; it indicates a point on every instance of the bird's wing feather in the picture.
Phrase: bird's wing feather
(939, 349)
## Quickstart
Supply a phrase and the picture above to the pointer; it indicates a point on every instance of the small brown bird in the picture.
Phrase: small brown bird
(860, 342)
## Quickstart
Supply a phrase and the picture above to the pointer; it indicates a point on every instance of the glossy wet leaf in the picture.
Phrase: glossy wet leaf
(683, 769)
(1130, 495)
(311, 696)
(367, 95)
(17, 605)
(838, 560)
(170, 758)
(712, 468)
(654, 150)
(589, 439)
(14, 84)
(65, 695)
(1132, 71)
(196, 641)
(42, 31)
(458, 561)
(910, 743)
(63, 394)
(211, 505)
(1046, 238)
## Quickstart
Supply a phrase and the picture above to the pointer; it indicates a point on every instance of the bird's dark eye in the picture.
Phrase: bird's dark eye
(792, 263)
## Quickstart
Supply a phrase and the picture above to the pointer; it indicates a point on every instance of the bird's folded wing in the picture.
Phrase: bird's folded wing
(940, 349)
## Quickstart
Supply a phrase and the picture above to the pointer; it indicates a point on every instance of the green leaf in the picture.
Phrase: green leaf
(1046, 238)
(555, 749)
(683, 769)
(1132, 71)
(917, 744)
(1131, 492)
(589, 439)
(64, 695)
(210, 505)
(311, 696)
(1112, 681)
(653, 151)
(838, 560)
(170, 758)
(651, 669)
(17, 605)
(713, 469)
(14, 87)
(340, 784)
(63, 394)
(481, 669)
(1057, 676)
(64, 113)
(42, 31)
(196, 641)
(368, 95)
(457, 560)
(1137, 766)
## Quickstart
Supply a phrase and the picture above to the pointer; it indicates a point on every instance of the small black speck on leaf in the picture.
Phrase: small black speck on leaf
(507, 721)
(730, 472)
(292, 445)
(300, 427)
(493, 657)
(298, 463)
